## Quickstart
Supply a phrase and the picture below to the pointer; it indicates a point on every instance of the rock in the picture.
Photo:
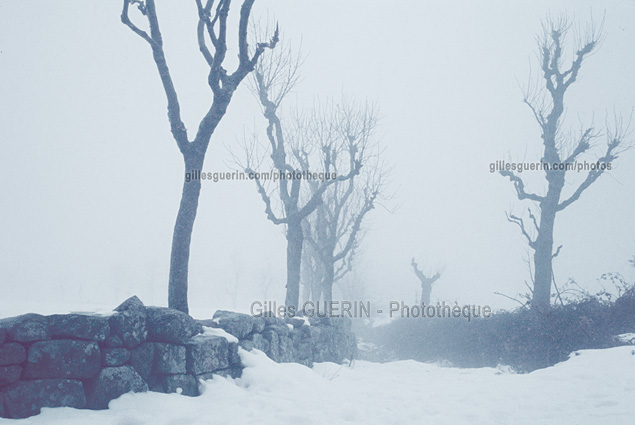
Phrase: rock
(281, 348)
(26, 328)
(287, 350)
(79, 326)
(282, 330)
(187, 384)
(25, 398)
(114, 356)
(302, 349)
(142, 359)
(113, 341)
(231, 372)
(332, 344)
(12, 353)
(256, 341)
(129, 322)
(343, 323)
(208, 323)
(2, 413)
(259, 324)
(297, 322)
(111, 383)
(234, 358)
(272, 320)
(344, 347)
(3, 335)
(274, 344)
(171, 326)
(169, 359)
(320, 339)
(9, 374)
(63, 359)
(239, 325)
(206, 353)
(205, 376)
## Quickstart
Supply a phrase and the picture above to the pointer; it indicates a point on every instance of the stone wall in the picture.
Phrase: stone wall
(85, 360)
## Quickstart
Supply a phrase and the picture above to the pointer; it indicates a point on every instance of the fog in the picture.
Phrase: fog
(91, 178)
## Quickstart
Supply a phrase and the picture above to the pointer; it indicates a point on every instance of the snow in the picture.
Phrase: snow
(381, 320)
(628, 338)
(10, 308)
(219, 332)
(304, 320)
(592, 387)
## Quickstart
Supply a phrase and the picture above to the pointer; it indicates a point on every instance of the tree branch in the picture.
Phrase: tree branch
(126, 21)
(533, 219)
(368, 205)
(203, 20)
(519, 185)
(573, 71)
(177, 127)
(521, 224)
(316, 198)
(593, 175)
(582, 146)
(267, 200)
(512, 298)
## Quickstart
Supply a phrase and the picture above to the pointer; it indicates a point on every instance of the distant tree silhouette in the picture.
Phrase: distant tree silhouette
(426, 282)
(273, 79)
(339, 131)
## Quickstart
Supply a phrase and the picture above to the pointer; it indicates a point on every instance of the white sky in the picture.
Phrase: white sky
(91, 179)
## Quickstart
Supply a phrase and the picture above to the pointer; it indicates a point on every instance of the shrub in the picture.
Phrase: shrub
(523, 339)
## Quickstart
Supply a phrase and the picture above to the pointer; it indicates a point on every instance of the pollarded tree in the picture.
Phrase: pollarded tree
(559, 153)
(211, 29)
(426, 281)
(339, 132)
(273, 79)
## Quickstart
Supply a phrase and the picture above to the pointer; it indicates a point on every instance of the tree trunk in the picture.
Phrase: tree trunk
(180, 256)
(543, 254)
(317, 289)
(426, 291)
(295, 238)
(327, 283)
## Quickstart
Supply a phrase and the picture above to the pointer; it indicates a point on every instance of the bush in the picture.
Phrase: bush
(523, 339)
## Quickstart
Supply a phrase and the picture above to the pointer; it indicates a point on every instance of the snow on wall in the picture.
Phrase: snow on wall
(87, 360)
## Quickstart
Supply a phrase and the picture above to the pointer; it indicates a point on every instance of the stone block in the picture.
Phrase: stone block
(26, 328)
(25, 398)
(129, 323)
(169, 359)
(12, 353)
(63, 359)
(114, 356)
(206, 353)
(79, 326)
(111, 383)
(171, 326)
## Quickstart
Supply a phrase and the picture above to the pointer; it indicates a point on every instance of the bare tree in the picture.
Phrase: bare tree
(560, 152)
(426, 282)
(212, 28)
(339, 132)
(273, 79)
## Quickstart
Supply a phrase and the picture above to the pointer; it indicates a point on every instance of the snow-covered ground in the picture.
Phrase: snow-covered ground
(592, 387)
